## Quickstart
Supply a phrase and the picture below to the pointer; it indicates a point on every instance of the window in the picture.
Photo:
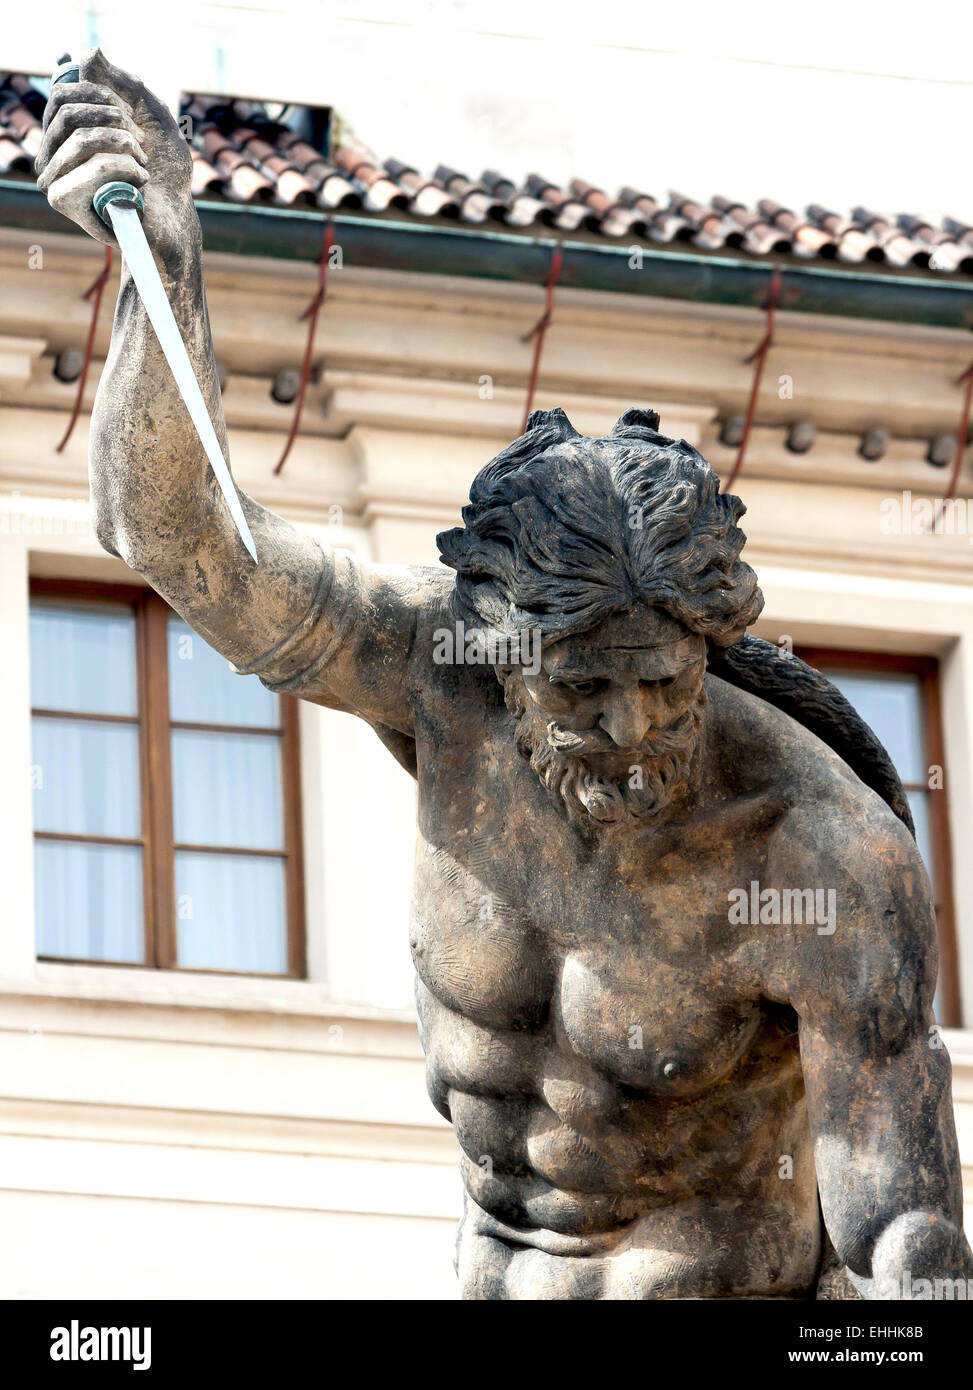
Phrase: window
(898, 698)
(166, 812)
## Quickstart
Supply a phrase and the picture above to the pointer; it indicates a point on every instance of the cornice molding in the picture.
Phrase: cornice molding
(847, 375)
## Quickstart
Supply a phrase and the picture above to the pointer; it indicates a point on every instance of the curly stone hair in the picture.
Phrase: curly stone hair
(561, 530)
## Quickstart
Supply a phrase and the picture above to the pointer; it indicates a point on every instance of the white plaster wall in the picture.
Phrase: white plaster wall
(358, 851)
(111, 1247)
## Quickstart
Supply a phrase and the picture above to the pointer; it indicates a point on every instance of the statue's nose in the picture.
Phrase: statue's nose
(626, 720)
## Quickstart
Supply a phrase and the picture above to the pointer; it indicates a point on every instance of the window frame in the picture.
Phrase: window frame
(933, 751)
(160, 928)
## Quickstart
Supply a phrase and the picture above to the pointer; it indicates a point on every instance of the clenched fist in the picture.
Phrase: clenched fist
(109, 126)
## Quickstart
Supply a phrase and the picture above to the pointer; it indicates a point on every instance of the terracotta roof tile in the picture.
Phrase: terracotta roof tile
(855, 244)
(560, 209)
(654, 221)
(899, 248)
(240, 153)
(379, 191)
(24, 127)
(613, 218)
(13, 157)
(807, 240)
(521, 208)
(475, 202)
(206, 180)
(429, 197)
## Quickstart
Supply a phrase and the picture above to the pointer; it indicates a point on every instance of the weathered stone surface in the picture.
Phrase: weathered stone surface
(675, 954)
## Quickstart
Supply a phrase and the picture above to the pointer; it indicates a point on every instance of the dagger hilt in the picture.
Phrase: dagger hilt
(116, 192)
(66, 71)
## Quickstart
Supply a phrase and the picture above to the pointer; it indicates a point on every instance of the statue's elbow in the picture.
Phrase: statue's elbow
(920, 1249)
(127, 537)
(104, 528)
(123, 542)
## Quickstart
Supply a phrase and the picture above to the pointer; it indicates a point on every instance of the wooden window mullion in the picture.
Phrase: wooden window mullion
(290, 771)
(937, 800)
(157, 783)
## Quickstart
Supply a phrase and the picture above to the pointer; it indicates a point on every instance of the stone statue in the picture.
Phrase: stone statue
(674, 943)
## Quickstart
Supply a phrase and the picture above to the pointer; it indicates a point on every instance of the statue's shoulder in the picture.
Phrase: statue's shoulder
(417, 595)
(434, 588)
(772, 753)
(835, 838)
(436, 583)
(443, 665)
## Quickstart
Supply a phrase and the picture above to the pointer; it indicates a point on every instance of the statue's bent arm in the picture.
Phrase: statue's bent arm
(877, 1076)
(305, 618)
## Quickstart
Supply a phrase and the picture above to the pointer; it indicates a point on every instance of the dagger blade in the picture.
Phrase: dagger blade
(128, 229)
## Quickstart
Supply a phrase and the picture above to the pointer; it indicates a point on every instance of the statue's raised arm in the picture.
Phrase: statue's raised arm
(324, 625)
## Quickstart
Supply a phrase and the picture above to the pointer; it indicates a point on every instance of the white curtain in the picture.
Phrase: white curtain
(230, 910)
(88, 901)
(205, 689)
(226, 789)
(891, 705)
(82, 658)
(85, 777)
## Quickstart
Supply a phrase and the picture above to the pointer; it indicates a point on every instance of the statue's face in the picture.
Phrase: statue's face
(633, 676)
(612, 718)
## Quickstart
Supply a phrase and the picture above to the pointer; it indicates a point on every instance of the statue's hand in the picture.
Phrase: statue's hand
(919, 1245)
(108, 126)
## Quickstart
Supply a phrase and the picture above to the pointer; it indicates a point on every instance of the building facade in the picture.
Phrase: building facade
(180, 1119)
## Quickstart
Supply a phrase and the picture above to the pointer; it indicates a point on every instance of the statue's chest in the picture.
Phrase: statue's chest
(633, 984)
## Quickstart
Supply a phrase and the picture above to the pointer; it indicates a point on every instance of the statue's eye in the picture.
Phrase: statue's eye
(579, 687)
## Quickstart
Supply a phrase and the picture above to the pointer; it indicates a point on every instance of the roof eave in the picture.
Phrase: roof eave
(704, 277)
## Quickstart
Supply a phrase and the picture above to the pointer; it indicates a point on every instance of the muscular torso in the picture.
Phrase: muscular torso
(617, 1060)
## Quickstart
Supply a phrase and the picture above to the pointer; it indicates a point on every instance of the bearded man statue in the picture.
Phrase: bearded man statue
(656, 1094)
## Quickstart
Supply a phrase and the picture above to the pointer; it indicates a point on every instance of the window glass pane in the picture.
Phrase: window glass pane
(919, 805)
(226, 789)
(890, 704)
(86, 777)
(231, 912)
(88, 901)
(82, 657)
(204, 689)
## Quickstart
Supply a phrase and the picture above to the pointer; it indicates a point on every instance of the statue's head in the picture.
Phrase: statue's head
(623, 555)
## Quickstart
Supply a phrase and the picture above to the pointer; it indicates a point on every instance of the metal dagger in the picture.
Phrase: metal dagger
(119, 204)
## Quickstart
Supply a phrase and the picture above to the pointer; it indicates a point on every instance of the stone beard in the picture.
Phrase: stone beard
(586, 771)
